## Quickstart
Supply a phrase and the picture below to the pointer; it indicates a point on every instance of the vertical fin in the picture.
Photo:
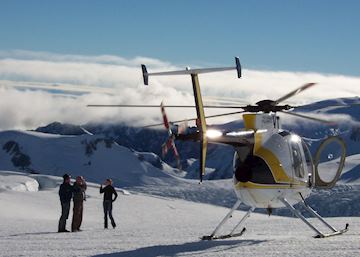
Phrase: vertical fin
(202, 123)
(238, 66)
(145, 74)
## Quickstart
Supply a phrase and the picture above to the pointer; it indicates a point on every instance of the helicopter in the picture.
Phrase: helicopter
(272, 167)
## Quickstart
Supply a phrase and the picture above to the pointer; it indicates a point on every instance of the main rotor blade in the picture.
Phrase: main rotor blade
(225, 99)
(329, 122)
(294, 92)
(166, 106)
(140, 105)
(309, 106)
(192, 119)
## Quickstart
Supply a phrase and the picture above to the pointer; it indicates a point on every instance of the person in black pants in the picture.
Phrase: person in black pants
(108, 191)
(66, 194)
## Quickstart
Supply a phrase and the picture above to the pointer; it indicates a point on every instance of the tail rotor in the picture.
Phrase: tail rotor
(170, 142)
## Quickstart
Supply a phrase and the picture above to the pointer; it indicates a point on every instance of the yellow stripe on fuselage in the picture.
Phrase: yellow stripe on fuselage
(249, 121)
(271, 160)
(252, 185)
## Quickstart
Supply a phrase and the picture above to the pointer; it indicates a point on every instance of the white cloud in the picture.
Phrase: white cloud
(99, 59)
(122, 77)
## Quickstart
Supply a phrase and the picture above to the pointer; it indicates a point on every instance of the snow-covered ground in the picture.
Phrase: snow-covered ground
(15, 181)
(351, 172)
(164, 214)
(151, 226)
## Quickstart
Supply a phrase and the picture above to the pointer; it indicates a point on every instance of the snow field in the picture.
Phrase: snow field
(155, 226)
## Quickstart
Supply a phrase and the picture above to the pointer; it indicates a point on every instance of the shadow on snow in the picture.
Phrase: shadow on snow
(190, 248)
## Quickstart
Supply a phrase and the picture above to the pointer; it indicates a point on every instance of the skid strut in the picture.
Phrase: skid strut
(316, 215)
(225, 219)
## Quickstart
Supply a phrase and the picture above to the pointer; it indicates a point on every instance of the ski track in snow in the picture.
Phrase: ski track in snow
(154, 226)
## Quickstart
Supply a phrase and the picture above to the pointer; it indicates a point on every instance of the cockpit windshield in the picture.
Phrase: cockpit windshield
(308, 158)
(295, 146)
(301, 157)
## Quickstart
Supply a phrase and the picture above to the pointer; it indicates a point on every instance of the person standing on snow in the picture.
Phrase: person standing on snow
(65, 193)
(79, 197)
(108, 191)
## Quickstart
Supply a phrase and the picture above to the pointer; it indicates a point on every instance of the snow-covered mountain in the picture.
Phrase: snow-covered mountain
(219, 159)
(97, 158)
(151, 140)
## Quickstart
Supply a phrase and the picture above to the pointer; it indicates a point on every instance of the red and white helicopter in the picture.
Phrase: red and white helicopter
(273, 168)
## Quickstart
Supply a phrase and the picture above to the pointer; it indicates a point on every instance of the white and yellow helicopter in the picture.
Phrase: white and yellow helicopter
(273, 168)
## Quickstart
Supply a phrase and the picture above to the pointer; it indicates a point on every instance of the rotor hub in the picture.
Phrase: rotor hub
(267, 106)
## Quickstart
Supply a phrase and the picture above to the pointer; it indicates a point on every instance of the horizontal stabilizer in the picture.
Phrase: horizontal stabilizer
(189, 71)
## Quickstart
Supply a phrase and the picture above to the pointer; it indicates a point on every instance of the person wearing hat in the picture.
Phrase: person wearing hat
(65, 193)
(79, 197)
(108, 191)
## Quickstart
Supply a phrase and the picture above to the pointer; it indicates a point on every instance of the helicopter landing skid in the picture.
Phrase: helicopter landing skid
(334, 232)
(224, 236)
(213, 235)
(339, 232)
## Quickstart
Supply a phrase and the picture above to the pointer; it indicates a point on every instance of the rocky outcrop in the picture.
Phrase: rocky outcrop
(19, 159)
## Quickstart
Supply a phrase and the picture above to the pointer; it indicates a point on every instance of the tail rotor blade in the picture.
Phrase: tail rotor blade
(176, 154)
(170, 142)
(164, 116)
(165, 147)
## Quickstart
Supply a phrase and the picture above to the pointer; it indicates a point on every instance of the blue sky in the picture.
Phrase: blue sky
(92, 44)
(320, 36)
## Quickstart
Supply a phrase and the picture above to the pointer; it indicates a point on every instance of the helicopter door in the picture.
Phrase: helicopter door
(329, 162)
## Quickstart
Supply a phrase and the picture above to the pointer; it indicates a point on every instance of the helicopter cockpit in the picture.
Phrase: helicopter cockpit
(281, 151)
(284, 157)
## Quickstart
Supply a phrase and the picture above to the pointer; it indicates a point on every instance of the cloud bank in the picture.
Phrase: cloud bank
(110, 79)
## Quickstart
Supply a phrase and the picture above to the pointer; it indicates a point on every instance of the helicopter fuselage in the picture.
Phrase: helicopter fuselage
(271, 164)
(278, 165)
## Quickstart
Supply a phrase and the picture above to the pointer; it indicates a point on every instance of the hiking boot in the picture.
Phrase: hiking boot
(63, 231)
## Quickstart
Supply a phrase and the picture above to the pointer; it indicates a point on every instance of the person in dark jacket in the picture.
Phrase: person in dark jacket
(65, 193)
(79, 189)
(108, 191)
